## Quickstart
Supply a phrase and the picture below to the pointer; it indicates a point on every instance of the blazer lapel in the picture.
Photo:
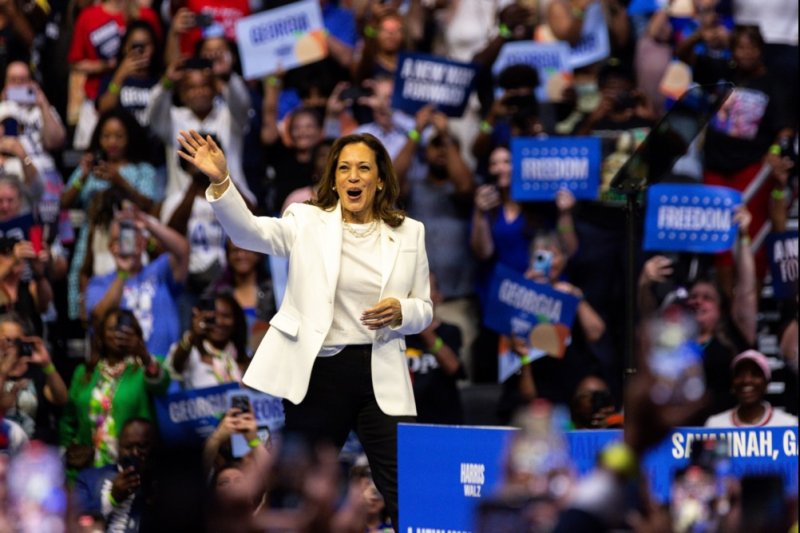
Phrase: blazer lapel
(331, 237)
(390, 247)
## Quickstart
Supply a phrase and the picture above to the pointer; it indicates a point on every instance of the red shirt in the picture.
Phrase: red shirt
(224, 12)
(98, 35)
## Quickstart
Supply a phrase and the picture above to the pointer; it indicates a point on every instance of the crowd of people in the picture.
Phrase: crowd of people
(119, 283)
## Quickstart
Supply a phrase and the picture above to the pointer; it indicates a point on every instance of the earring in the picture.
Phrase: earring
(333, 188)
(380, 188)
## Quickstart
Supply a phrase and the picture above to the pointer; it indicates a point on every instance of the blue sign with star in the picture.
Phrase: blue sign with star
(690, 218)
(543, 166)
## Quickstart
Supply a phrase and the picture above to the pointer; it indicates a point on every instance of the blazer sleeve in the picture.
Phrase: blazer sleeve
(417, 308)
(266, 235)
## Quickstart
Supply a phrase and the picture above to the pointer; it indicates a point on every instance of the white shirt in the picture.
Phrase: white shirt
(772, 417)
(358, 289)
(205, 234)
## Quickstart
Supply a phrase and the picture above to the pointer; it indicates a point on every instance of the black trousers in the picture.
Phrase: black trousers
(340, 399)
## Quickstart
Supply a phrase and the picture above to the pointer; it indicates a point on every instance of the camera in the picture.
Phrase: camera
(600, 400)
(98, 156)
(22, 94)
(129, 461)
(24, 348)
(10, 127)
(124, 320)
(203, 20)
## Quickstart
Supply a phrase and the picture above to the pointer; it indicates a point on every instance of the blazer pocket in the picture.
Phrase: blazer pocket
(408, 250)
(286, 324)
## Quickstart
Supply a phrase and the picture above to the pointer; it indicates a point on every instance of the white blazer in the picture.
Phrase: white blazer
(312, 239)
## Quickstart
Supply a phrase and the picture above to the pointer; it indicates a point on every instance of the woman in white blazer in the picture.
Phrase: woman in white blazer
(358, 283)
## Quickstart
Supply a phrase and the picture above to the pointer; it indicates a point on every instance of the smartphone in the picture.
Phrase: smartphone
(127, 238)
(137, 48)
(98, 156)
(124, 320)
(542, 262)
(130, 461)
(10, 127)
(203, 20)
(22, 94)
(241, 402)
(35, 236)
(207, 304)
(600, 399)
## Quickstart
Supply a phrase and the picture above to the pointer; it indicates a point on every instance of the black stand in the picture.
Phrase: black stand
(632, 245)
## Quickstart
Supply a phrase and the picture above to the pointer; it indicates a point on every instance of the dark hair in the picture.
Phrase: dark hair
(232, 48)
(98, 337)
(239, 332)
(518, 77)
(22, 321)
(303, 111)
(751, 32)
(384, 207)
(614, 69)
(136, 150)
(156, 65)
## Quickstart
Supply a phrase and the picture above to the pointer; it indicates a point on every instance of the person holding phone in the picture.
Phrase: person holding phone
(146, 290)
(113, 387)
(40, 391)
(358, 283)
(214, 350)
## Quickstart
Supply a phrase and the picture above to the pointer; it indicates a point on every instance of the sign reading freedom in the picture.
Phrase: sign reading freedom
(540, 167)
(423, 79)
(690, 218)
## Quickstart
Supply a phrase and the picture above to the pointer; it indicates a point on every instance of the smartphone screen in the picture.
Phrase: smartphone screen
(127, 238)
(241, 402)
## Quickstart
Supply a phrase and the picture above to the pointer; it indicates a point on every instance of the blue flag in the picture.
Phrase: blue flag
(690, 218)
(543, 166)
(423, 79)
(782, 258)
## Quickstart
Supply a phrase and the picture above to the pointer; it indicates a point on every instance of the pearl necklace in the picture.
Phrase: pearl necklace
(363, 233)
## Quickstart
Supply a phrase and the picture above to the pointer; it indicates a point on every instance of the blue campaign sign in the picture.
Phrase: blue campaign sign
(445, 471)
(188, 417)
(543, 166)
(423, 79)
(549, 59)
(782, 258)
(594, 45)
(760, 450)
(520, 307)
(690, 218)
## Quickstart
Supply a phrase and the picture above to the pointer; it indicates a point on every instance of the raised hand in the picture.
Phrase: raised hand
(204, 154)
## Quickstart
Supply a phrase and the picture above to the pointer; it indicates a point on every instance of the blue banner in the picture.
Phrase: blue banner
(551, 61)
(188, 417)
(690, 218)
(425, 79)
(517, 306)
(782, 258)
(543, 166)
(445, 471)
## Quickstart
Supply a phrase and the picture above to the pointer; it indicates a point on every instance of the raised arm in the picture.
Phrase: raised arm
(744, 310)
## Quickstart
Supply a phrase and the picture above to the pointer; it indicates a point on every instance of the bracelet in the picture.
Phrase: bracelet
(49, 369)
(745, 240)
(27, 161)
(775, 149)
(114, 88)
(504, 31)
(437, 345)
(111, 499)
(778, 194)
(254, 442)
(414, 135)
(273, 81)
(370, 32)
(565, 228)
(486, 128)
(167, 83)
(577, 13)
(123, 275)
(77, 185)
(525, 359)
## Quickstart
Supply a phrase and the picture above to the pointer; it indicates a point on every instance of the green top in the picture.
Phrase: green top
(131, 399)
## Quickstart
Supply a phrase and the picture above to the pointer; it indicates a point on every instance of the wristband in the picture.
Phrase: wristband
(111, 499)
(525, 359)
(504, 31)
(577, 13)
(437, 345)
(486, 128)
(123, 275)
(273, 81)
(775, 149)
(565, 228)
(370, 32)
(778, 194)
(414, 135)
(186, 341)
(114, 88)
(49, 369)
(167, 83)
(745, 240)
(152, 368)
(254, 442)
(77, 185)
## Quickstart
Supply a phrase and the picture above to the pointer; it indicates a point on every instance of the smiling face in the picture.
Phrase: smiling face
(704, 300)
(114, 139)
(305, 131)
(220, 332)
(500, 166)
(357, 182)
(749, 383)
